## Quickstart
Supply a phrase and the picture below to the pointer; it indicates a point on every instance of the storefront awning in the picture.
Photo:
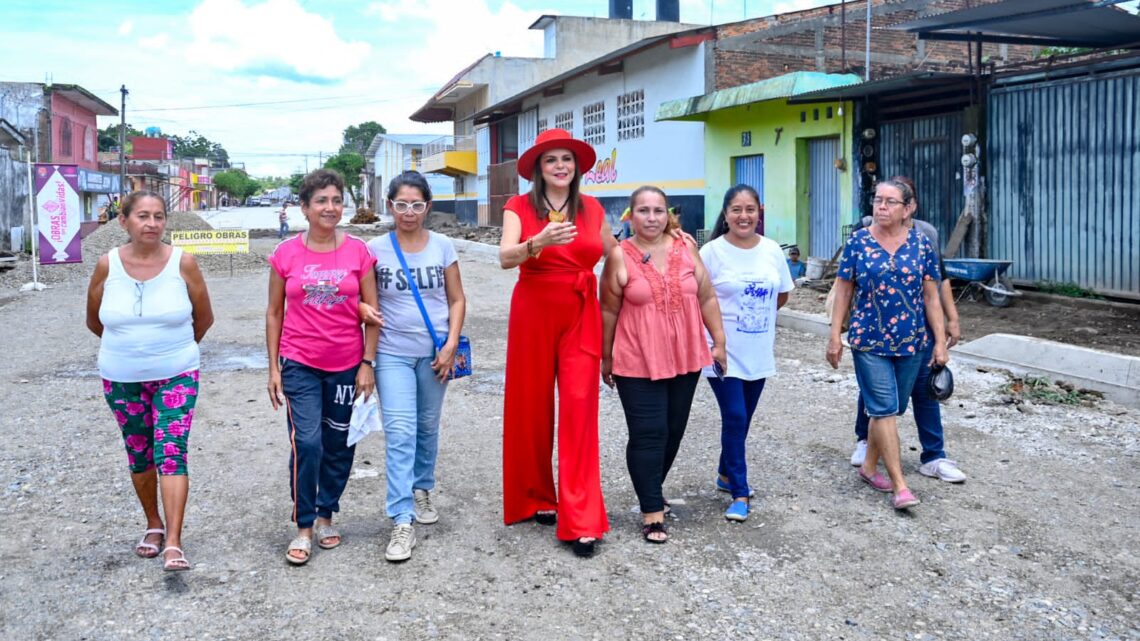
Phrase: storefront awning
(1095, 24)
(785, 86)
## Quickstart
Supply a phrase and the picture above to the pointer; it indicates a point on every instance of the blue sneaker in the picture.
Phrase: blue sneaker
(738, 511)
(721, 486)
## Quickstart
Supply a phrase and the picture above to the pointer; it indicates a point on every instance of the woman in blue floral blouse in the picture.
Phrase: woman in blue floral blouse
(891, 270)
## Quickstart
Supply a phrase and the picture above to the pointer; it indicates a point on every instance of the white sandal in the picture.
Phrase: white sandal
(327, 532)
(178, 563)
(143, 545)
(302, 543)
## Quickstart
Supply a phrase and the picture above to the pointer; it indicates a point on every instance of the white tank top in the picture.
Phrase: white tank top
(148, 330)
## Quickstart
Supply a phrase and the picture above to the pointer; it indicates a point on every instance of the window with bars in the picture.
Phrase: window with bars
(631, 115)
(65, 137)
(541, 125)
(594, 123)
(565, 120)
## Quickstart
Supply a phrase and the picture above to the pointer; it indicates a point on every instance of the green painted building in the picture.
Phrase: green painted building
(797, 157)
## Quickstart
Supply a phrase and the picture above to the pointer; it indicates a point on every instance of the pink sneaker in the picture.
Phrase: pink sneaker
(904, 499)
(877, 482)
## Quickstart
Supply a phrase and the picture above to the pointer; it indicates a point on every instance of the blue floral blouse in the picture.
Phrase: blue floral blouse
(888, 315)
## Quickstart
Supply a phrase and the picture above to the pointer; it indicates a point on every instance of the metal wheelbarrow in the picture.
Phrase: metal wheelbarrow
(985, 275)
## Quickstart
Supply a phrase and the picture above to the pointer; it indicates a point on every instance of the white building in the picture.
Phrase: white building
(391, 154)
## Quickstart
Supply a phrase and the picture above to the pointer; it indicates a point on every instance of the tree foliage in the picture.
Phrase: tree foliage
(109, 137)
(295, 182)
(236, 183)
(357, 138)
(195, 145)
(349, 165)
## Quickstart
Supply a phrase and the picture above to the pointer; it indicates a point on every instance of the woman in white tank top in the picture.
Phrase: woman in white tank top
(148, 303)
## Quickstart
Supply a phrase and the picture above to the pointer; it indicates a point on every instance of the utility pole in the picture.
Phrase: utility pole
(123, 145)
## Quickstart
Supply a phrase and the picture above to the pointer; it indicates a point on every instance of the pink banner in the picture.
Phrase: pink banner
(59, 214)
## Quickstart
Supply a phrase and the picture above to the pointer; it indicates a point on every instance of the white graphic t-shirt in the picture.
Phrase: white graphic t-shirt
(747, 282)
(404, 332)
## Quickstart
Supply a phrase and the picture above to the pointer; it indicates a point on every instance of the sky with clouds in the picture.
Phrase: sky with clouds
(205, 65)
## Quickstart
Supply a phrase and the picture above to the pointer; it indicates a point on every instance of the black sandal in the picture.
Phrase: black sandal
(585, 549)
(654, 528)
(546, 518)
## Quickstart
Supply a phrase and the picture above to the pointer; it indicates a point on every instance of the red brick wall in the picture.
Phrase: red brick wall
(811, 40)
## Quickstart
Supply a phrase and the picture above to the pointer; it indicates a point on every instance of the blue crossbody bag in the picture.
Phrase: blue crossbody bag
(463, 350)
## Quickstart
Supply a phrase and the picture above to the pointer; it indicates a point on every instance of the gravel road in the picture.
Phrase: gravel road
(1040, 543)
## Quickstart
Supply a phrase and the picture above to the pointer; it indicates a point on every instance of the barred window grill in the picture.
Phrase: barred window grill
(631, 115)
(541, 125)
(594, 123)
(565, 120)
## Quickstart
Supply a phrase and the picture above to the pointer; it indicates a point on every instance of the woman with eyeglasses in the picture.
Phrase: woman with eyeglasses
(412, 373)
(319, 359)
(148, 303)
(888, 279)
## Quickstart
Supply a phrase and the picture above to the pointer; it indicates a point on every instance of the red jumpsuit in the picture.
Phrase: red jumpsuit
(555, 335)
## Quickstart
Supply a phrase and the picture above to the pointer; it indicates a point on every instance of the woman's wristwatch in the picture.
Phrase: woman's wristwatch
(369, 362)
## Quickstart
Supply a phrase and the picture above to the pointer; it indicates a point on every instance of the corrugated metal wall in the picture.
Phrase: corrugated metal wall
(528, 131)
(929, 151)
(823, 198)
(1064, 181)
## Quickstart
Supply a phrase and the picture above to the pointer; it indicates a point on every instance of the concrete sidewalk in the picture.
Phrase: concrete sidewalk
(1115, 375)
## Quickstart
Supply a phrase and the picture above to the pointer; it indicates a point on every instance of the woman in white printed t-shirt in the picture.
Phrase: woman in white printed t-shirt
(752, 281)
(411, 373)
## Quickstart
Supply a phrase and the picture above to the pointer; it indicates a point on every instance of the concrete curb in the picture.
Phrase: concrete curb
(1117, 376)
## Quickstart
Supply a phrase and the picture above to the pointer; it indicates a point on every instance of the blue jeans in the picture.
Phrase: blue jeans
(885, 382)
(927, 414)
(319, 407)
(737, 399)
(410, 402)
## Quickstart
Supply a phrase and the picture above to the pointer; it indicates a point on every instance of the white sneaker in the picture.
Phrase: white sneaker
(944, 469)
(859, 454)
(401, 544)
(425, 511)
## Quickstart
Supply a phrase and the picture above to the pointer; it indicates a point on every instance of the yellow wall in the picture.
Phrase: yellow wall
(785, 162)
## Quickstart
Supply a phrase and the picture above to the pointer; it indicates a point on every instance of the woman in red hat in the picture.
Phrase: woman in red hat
(555, 235)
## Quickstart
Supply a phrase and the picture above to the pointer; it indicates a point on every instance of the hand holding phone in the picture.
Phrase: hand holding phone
(718, 370)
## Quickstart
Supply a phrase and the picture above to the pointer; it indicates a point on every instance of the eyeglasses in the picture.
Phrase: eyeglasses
(402, 207)
(889, 202)
(138, 297)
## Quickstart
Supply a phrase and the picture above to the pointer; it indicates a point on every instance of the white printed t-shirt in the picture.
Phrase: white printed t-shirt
(404, 332)
(747, 282)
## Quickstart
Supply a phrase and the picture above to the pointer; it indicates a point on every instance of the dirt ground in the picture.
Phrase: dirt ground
(1088, 323)
(1041, 543)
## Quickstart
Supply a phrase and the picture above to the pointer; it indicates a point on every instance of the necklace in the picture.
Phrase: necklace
(555, 214)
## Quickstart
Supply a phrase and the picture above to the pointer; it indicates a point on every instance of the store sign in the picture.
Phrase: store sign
(212, 241)
(58, 213)
(604, 171)
(95, 182)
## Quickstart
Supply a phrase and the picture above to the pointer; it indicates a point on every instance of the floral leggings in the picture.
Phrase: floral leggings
(155, 419)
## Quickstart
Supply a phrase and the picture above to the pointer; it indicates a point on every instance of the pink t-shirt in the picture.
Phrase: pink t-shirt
(322, 290)
(660, 332)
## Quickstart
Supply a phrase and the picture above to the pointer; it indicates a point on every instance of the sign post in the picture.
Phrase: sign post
(213, 241)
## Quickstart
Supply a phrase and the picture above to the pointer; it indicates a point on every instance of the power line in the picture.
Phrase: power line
(248, 104)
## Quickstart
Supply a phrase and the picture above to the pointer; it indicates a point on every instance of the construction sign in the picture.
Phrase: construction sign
(212, 241)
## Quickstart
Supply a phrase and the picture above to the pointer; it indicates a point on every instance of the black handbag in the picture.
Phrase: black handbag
(941, 382)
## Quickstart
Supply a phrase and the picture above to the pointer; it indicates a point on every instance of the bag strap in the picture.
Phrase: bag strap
(415, 290)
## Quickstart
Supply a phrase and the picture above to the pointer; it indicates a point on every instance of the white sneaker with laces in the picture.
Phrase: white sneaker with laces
(425, 511)
(859, 454)
(944, 469)
(401, 544)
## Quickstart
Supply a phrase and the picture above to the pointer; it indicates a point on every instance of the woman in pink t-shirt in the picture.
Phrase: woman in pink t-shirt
(319, 359)
(656, 303)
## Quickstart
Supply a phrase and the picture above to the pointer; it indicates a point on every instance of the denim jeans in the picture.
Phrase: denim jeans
(319, 405)
(410, 402)
(927, 414)
(656, 413)
(885, 382)
(737, 399)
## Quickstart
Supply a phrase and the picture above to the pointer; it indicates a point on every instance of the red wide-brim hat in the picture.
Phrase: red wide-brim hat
(584, 154)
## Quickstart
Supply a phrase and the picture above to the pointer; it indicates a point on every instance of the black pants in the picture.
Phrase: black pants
(656, 413)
